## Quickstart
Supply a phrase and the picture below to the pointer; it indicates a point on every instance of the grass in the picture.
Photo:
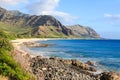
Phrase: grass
(8, 35)
(8, 66)
(15, 29)
(19, 31)
(26, 32)
(49, 32)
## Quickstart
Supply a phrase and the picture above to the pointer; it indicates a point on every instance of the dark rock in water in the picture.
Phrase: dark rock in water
(55, 58)
(35, 44)
(110, 76)
(80, 64)
(92, 69)
(69, 62)
(90, 63)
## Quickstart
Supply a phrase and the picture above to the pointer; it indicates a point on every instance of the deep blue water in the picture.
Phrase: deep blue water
(105, 53)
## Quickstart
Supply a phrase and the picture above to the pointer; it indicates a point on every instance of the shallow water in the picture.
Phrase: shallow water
(105, 53)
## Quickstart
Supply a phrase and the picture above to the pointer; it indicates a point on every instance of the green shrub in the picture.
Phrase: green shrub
(5, 34)
(8, 66)
(4, 44)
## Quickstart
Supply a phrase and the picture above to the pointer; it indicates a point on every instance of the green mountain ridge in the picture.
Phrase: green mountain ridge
(25, 25)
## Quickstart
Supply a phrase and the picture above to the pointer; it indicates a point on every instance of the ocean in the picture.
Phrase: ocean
(104, 53)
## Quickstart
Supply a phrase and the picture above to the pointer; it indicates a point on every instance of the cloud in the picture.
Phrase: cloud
(48, 7)
(45, 7)
(11, 2)
(64, 16)
(113, 19)
(40, 7)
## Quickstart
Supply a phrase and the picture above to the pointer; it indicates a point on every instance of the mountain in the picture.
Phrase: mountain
(26, 25)
(83, 31)
(32, 25)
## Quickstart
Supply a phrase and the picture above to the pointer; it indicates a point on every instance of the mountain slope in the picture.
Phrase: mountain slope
(26, 25)
(82, 31)
(17, 21)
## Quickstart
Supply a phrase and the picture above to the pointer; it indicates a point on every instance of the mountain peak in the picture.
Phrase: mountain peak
(42, 25)
(83, 31)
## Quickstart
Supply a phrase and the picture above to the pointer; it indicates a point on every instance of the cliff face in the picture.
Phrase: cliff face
(82, 31)
(40, 26)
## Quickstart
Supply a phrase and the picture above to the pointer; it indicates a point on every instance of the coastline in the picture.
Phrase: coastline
(18, 44)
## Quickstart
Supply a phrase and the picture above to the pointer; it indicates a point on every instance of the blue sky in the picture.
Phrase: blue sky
(101, 15)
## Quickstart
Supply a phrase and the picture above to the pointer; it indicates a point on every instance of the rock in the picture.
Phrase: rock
(39, 75)
(92, 69)
(56, 58)
(110, 76)
(55, 68)
(35, 44)
(90, 63)
(69, 62)
(44, 69)
(80, 64)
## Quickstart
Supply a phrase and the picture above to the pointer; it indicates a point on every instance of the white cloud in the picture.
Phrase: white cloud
(11, 2)
(40, 7)
(114, 17)
(64, 16)
(45, 7)
(48, 7)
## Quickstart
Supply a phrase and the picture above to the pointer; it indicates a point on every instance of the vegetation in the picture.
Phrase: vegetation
(14, 30)
(7, 35)
(8, 66)
(48, 32)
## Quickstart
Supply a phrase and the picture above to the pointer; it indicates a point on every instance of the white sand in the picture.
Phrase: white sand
(18, 44)
(27, 40)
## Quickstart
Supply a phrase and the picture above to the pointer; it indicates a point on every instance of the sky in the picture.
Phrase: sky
(101, 15)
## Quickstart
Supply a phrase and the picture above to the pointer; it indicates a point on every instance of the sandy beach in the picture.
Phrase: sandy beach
(23, 56)
(19, 46)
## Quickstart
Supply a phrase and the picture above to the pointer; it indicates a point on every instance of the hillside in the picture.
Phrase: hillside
(9, 68)
(83, 31)
(25, 25)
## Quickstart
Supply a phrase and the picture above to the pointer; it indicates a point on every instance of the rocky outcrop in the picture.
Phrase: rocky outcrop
(55, 68)
(90, 63)
(83, 31)
(110, 76)
(59, 69)
(35, 44)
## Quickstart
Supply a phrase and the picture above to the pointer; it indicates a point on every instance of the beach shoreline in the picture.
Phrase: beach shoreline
(26, 58)
(20, 46)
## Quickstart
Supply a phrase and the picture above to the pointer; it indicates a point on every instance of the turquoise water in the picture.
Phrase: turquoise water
(105, 53)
